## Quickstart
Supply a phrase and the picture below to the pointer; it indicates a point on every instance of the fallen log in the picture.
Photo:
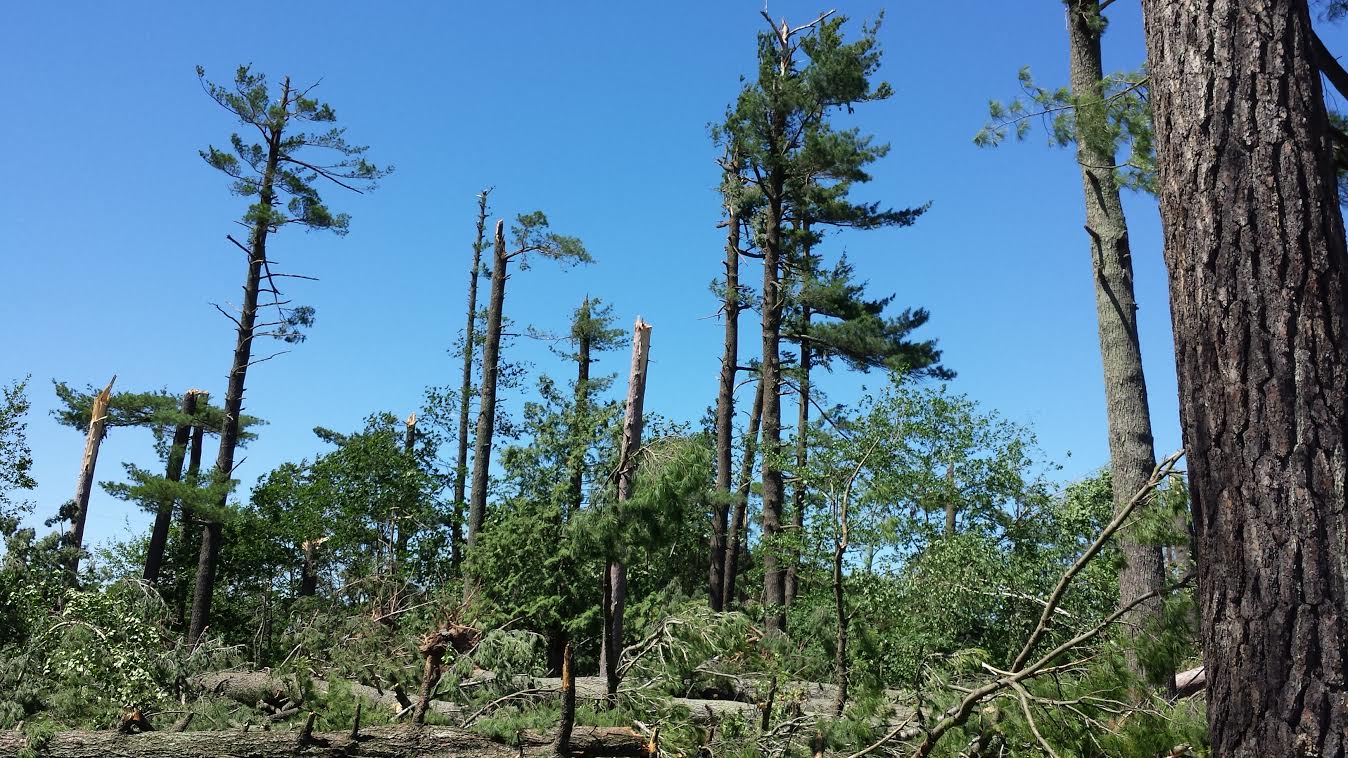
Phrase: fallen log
(372, 742)
(1190, 682)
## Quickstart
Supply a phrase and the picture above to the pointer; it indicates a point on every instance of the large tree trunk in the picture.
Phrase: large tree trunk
(84, 486)
(163, 519)
(372, 742)
(616, 580)
(1132, 453)
(725, 402)
(466, 383)
(486, 411)
(238, 372)
(1255, 249)
(740, 516)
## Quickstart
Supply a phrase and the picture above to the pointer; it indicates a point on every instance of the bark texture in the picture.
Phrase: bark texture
(84, 486)
(1255, 249)
(1132, 453)
(466, 382)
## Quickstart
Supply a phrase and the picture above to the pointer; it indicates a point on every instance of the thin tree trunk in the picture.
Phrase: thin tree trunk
(238, 372)
(740, 515)
(725, 403)
(951, 501)
(840, 608)
(1254, 244)
(154, 554)
(486, 412)
(583, 348)
(1131, 450)
(612, 641)
(466, 384)
(98, 418)
(802, 429)
(405, 524)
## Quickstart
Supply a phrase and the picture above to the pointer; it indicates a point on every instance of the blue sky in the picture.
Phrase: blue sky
(112, 229)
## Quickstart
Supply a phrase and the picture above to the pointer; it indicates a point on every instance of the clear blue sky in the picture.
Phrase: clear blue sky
(112, 229)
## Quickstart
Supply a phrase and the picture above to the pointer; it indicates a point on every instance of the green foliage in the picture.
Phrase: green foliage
(293, 176)
(1116, 118)
(16, 458)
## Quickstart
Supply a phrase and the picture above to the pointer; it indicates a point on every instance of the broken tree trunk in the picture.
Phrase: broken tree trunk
(97, 426)
(486, 411)
(616, 571)
(187, 544)
(375, 742)
(154, 554)
(725, 398)
(568, 719)
(466, 384)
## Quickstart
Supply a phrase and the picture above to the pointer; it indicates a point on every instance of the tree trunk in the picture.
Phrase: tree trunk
(567, 721)
(725, 403)
(740, 515)
(187, 546)
(612, 642)
(952, 501)
(204, 588)
(583, 348)
(405, 525)
(466, 384)
(486, 412)
(84, 486)
(1254, 244)
(1131, 451)
(238, 372)
(802, 428)
(774, 579)
(840, 608)
(371, 742)
(163, 519)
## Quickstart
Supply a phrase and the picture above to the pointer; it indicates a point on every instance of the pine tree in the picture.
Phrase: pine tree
(284, 180)
(803, 168)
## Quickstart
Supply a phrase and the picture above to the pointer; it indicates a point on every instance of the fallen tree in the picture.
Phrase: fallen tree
(375, 742)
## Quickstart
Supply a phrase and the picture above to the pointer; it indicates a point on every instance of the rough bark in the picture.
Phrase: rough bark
(373, 742)
(616, 571)
(486, 411)
(238, 372)
(1254, 244)
(1132, 453)
(163, 519)
(725, 402)
(84, 486)
(740, 515)
(466, 383)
